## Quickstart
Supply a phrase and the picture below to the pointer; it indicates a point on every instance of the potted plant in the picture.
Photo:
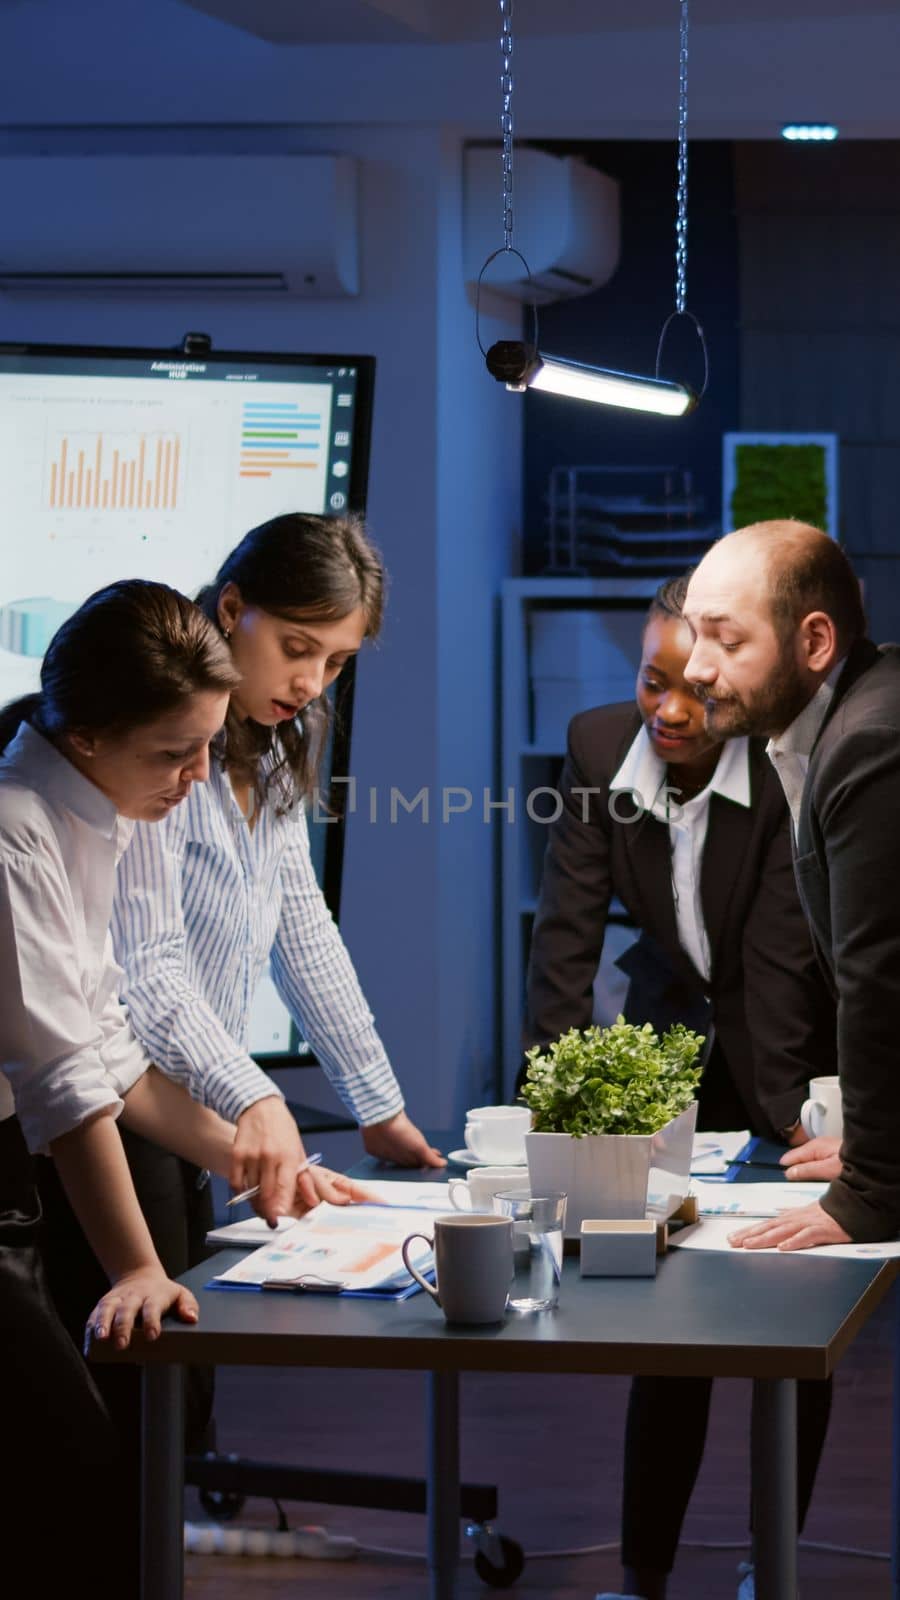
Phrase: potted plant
(614, 1113)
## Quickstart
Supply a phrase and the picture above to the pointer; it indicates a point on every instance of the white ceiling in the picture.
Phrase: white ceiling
(456, 21)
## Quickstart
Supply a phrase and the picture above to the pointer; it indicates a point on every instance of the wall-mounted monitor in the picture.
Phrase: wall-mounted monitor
(128, 462)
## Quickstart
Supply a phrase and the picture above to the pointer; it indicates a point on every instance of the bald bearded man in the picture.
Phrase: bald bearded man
(780, 650)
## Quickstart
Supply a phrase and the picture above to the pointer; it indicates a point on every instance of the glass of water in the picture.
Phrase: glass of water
(538, 1221)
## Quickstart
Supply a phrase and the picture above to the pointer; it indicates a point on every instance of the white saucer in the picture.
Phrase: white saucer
(465, 1158)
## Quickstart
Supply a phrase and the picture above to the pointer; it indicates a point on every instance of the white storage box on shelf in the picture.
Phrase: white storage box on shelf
(579, 659)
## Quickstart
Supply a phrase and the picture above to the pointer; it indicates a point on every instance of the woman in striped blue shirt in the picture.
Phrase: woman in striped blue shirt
(227, 885)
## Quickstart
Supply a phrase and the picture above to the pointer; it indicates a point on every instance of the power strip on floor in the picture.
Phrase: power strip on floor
(310, 1543)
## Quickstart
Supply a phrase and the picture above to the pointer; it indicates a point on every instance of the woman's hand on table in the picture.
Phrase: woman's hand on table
(331, 1186)
(798, 1229)
(146, 1293)
(815, 1161)
(399, 1140)
(267, 1151)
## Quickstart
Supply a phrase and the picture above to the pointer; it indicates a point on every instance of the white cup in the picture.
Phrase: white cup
(822, 1113)
(497, 1133)
(476, 1192)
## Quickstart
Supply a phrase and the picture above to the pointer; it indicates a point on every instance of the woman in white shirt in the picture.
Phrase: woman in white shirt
(133, 688)
(294, 600)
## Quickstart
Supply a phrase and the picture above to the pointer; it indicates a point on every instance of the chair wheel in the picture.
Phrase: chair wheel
(504, 1576)
(221, 1505)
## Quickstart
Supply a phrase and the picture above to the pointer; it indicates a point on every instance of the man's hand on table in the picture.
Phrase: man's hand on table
(267, 1150)
(400, 1141)
(799, 1229)
(814, 1161)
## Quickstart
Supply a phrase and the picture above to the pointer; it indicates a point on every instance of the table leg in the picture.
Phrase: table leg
(895, 1456)
(162, 1482)
(774, 1487)
(443, 1483)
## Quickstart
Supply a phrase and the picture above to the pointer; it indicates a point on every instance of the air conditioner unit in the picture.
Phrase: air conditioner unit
(179, 223)
(565, 223)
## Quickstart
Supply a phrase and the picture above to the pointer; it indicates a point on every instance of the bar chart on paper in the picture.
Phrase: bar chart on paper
(111, 471)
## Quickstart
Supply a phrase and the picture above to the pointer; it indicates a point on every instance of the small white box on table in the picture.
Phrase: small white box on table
(620, 1247)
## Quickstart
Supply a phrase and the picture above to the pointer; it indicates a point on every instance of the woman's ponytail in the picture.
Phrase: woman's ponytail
(13, 714)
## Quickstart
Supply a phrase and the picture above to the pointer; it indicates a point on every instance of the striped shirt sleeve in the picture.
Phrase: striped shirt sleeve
(314, 975)
(178, 1028)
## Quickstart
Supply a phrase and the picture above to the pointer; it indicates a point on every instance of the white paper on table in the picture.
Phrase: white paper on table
(711, 1233)
(354, 1247)
(753, 1199)
(713, 1153)
(402, 1192)
(254, 1231)
(250, 1232)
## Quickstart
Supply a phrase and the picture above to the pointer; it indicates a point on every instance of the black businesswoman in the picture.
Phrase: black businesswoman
(699, 854)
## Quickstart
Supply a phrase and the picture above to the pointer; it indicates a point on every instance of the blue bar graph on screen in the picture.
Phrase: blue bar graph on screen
(278, 435)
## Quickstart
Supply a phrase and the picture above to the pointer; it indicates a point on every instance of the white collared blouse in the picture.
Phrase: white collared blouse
(643, 774)
(67, 1050)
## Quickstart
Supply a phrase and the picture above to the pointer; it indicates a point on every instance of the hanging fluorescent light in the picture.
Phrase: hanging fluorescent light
(520, 366)
(810, 132)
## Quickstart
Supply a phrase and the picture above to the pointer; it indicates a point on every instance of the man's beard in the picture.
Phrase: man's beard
(764, 712)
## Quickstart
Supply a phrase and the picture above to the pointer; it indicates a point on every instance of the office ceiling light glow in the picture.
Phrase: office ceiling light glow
(810, 132)
(520, 365)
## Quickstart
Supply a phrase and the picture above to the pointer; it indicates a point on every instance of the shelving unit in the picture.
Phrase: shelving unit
(530, 763)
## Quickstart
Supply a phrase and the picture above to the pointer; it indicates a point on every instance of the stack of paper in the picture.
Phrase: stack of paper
(713, 1153)
(422, 1196)
(712, 1233)
(338, 1249)
(753, 1199)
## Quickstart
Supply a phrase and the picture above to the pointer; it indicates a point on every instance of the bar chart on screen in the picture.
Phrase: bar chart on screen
(283, 458)
(114, 471)
(150, 469)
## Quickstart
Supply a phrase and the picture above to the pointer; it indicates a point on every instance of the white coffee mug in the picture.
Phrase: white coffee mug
(822, 1113)
(476, 1191)
(497, 1133)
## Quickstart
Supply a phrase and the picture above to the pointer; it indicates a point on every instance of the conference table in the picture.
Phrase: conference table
(736, 1315)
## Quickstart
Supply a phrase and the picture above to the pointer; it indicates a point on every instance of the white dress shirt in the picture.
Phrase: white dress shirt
(67, 1049)
(646, 776)
(790, 752)
(203, 902)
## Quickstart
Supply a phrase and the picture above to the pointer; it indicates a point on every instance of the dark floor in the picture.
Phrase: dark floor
(553, 1447)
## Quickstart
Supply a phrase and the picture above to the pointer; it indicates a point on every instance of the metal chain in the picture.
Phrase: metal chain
(506, 118)
(681, 226)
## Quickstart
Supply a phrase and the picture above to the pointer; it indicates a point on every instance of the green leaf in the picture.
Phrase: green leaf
(620, 1079)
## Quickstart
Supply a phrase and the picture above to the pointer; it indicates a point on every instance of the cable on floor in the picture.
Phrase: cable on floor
(612, 1546)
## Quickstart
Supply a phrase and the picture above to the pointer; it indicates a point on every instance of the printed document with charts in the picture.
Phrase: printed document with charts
(343, 1249)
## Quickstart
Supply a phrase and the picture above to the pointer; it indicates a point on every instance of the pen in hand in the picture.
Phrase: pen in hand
(247, 1194)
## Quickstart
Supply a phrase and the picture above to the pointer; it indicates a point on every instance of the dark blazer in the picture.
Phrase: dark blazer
(848, 874)
(770, 1005)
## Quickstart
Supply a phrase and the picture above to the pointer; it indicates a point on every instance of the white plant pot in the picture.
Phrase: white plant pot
(608, 1175)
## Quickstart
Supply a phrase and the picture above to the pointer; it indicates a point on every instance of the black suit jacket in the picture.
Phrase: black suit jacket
(770, 1004)
(848, 874)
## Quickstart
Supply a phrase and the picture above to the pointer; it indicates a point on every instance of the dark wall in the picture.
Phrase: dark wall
(619, 325)
(819, 231)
